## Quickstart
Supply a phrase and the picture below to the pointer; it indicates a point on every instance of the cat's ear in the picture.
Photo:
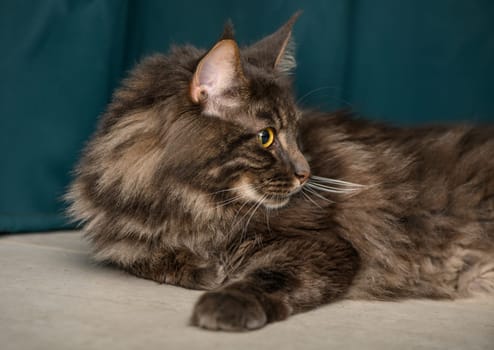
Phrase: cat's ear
(276, 51)
(217, 73)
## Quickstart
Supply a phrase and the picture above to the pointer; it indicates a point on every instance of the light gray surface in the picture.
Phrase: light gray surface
(53, 297)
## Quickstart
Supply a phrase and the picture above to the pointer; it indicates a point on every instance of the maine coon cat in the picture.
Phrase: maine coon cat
(204, 173)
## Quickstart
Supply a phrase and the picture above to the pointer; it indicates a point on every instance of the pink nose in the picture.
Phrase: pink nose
(302, 176)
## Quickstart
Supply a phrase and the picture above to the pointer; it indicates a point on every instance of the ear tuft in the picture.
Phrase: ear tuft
(228, 31)
(276, 51)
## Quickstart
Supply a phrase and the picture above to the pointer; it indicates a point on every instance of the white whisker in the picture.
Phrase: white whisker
(233, 199)
(258, 204)
(317, 179)
(228, 201)
(233, 189)
(312, 191)
(267, 211)
(310, 199)
(234, 220)
(331, 189)
(328, 187)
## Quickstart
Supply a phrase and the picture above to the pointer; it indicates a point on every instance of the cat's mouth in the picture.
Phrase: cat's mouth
(267, 199)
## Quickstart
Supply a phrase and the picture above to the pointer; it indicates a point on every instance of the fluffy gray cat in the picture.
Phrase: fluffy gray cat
(203, 173)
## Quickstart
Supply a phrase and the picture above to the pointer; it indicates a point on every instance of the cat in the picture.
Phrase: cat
(203, 173)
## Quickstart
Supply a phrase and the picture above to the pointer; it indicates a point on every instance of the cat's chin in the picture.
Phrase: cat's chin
(276, 204)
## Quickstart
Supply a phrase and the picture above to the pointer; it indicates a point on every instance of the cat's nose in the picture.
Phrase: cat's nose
(302, 176)
(301, 168)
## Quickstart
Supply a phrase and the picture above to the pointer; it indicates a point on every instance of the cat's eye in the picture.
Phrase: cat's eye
(266, 137)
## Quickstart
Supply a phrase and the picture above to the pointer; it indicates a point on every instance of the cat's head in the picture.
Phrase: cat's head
(248, 92)
(195, 129)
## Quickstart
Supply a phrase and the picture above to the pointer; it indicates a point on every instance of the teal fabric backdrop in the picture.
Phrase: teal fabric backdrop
(407, 62)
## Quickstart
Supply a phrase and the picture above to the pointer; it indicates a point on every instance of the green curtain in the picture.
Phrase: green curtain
(406, 62)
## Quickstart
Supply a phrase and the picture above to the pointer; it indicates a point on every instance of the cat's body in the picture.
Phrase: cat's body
(424, 226)
(195, 178)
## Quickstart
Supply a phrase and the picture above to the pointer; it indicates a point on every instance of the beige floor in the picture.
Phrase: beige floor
(52, 297)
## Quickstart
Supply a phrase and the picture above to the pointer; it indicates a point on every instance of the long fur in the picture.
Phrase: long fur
(173, 194)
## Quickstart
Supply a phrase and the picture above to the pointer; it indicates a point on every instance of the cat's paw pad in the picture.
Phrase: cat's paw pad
(228, 311)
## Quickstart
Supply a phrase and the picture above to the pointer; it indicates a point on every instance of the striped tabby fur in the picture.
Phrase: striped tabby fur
(175, 186)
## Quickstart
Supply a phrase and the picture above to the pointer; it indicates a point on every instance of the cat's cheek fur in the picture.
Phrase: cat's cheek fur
(246, 190)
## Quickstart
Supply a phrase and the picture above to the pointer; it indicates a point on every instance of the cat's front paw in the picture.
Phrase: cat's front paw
(231, 310)
(192, 277)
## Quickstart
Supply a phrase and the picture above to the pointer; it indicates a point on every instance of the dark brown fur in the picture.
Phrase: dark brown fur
(161, 192)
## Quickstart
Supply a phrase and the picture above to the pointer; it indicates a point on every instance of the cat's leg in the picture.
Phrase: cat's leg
(283, 277)
(478, 279)
(179, 267)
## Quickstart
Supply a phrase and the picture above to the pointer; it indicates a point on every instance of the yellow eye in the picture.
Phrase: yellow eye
(266, 137)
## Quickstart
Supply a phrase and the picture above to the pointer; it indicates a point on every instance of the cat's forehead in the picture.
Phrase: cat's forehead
(271, 104)
(276, 116)
(260, 116)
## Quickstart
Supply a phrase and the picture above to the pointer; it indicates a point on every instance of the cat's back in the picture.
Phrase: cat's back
(427, 208)
(438, 169)
(458, 159)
